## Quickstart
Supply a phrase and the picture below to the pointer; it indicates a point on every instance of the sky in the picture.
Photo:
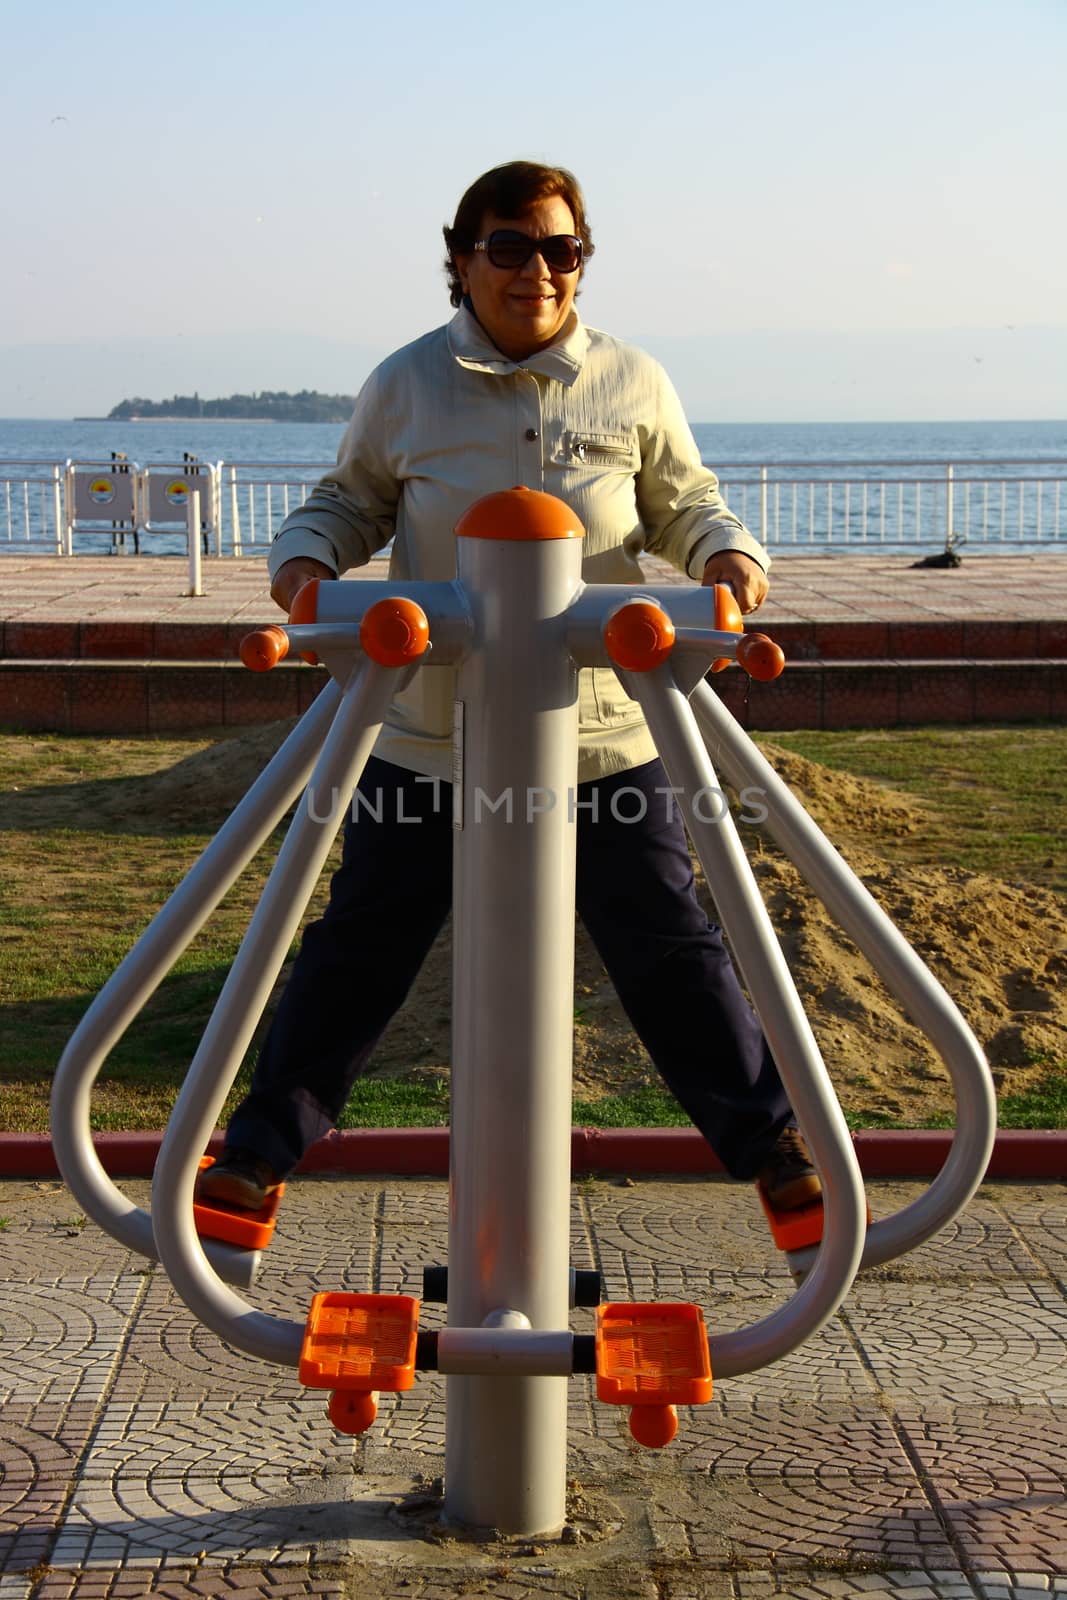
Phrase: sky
(837, 211)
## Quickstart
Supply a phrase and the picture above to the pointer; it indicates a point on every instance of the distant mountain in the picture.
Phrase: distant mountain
(267, 406)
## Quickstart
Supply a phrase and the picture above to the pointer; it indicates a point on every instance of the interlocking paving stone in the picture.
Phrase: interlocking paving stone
(209, 1582)
(1001, 1342)
(982, 1241)
(1000, 1474)
(58, 1341)
(795, 1522)
(1039, 1214)
(913, 1448)
(686, 1221)
(36, 1470)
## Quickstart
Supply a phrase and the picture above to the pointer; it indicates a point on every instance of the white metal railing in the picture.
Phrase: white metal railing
(257, 496)
(901, 503)
(31, 506)
(789, 504)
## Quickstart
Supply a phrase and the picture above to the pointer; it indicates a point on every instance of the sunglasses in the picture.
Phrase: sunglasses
(509, 249)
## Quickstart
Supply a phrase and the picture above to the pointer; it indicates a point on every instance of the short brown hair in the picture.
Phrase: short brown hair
(510, 191)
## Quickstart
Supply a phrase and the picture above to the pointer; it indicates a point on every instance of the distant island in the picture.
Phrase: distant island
(267, 406)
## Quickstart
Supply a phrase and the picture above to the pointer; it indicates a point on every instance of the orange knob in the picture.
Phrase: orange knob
(761, 658)
(352, 1410)
(264, 649)
(654, 1426)
(394, 632)
(639, 636)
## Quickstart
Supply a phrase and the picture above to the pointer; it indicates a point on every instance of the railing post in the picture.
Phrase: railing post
(216, 504)
(57, 512)
(948, 506)
(763, 505)
(235, 515)
(68, 509)
(196, 586)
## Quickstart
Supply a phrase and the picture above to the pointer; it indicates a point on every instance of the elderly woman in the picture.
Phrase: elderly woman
(515, 389)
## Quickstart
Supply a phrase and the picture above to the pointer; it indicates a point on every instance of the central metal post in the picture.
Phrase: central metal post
(515, 776)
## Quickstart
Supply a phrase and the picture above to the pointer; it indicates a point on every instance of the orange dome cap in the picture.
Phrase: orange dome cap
(519, 514)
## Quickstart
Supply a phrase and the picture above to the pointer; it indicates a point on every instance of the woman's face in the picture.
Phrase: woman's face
(522, 309)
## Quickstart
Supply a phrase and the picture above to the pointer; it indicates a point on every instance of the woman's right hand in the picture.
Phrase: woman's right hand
(291, 577)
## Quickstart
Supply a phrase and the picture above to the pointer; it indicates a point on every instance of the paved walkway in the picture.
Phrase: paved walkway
(805, 589)
(917, 1448)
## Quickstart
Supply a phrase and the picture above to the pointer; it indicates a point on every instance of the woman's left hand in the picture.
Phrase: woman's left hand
(746, 578)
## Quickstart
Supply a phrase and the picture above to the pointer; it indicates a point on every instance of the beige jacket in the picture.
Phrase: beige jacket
(449, 419)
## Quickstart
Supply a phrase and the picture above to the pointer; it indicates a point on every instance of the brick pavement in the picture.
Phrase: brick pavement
(916, 1448)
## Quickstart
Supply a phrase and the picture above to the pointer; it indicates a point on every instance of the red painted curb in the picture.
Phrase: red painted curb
(883, 1153)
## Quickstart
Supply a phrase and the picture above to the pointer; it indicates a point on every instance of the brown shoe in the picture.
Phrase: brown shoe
(238, 1178)
(787, 1177)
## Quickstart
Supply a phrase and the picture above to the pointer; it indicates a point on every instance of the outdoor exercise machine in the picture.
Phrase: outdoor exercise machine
(516, 623)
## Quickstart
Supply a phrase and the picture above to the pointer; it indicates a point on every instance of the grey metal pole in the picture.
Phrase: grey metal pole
(515, 779)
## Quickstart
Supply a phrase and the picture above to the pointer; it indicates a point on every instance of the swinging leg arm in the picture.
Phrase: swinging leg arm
(906, 977)
(143, 969)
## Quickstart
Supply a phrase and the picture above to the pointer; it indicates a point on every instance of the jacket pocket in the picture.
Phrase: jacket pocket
(611, 706)
(579, 448)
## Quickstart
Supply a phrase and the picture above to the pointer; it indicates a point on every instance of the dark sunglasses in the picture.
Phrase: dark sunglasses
(509, 249)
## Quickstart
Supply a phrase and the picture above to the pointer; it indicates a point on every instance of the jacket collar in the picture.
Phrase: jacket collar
(472, 347)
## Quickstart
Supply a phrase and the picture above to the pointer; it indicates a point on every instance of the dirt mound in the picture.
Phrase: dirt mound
(209, 782)
(999, 949)
(213, 779)
(841, 803)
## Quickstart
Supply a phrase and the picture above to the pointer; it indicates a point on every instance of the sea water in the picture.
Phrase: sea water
(797, 456)
(721, 443)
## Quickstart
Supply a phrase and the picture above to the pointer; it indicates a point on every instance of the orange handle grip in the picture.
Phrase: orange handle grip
(265, 648)
(728, 619)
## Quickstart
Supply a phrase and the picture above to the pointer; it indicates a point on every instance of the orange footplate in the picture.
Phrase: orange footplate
(793, 1230)
(357, 1344)
(252, 1230)
(652, 1357)
(799, 1229)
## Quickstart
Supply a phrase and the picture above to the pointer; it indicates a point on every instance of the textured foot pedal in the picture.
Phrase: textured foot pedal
(798, 1229)
(793, 1230)
(652, 1358)
(356, 1345)
(251, 1230)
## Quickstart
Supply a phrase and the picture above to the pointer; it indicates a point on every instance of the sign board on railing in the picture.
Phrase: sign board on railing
(102, 493)
(165, 491)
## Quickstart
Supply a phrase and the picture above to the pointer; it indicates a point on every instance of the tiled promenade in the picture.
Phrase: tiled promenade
(101, 644)
(916, 1448)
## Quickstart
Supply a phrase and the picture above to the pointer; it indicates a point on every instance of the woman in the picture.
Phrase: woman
(516, 390)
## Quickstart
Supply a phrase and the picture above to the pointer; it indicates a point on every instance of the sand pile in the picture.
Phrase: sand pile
(999, 949)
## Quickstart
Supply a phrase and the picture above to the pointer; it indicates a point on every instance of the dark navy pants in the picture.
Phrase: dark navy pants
(635, 894)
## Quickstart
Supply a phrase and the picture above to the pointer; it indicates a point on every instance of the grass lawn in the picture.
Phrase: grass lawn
(87, 857)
